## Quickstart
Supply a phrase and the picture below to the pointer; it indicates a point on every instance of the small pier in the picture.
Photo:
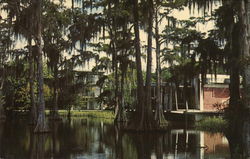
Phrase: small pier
(190, 114)
(184, 114)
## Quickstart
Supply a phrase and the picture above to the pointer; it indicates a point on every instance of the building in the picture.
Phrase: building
(87, 80)
(215, 93)
(212, 96)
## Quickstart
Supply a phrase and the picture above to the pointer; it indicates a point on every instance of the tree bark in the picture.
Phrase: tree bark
(170, 101)
(33, 111)
(245, 15)
(245, 18)
(2, 77)
(159, 116)
(41, 121)
(113, 43)
(185, 92)
(54, 113)
(147, 120)
(2, 113)
(140, 90)
(120, 115)
(116, 87)
(176, 96)
(232, 48)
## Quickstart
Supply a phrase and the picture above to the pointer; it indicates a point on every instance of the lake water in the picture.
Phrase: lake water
(82, 138)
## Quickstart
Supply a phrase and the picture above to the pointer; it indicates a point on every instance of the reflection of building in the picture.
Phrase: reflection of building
(197, 144)
(89, 89)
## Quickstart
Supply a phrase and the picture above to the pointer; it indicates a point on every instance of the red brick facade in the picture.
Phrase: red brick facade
(214, 97)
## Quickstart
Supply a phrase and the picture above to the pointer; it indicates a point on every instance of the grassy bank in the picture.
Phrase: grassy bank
(212, 124)
(87, 113)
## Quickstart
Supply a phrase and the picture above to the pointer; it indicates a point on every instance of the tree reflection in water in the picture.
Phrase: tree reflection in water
(1, 135)
(246, 138)
(118, 142)
(238, 135)
(87, 138)
(37, 146)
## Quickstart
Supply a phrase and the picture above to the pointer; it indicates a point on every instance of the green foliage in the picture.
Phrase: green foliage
(213, 124)
(166, 74)
(92, 113)
(108, 95)
(47, 93)
(16, 94)
(2, 101)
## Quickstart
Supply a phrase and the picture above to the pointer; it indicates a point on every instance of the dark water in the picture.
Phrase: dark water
(93, 139)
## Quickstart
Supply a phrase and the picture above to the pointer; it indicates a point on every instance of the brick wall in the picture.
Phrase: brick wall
(214, 96)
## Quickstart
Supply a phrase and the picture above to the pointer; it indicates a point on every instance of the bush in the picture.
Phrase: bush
(92, 114)
(16, 92)
(213, 124)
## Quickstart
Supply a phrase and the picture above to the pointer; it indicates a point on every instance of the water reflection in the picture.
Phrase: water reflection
(93, 139)
(238, 136)
(246, 138)
(37, 146)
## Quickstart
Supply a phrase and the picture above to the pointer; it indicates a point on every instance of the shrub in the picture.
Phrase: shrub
(213, 124)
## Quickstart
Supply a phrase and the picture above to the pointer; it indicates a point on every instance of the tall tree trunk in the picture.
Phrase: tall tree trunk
(122, 91)
(170, 101)
(2, 77)
(234, 33)
(159, 116)
(33, 112)
(55, 114)
(176, 92)
(185, 92)
(116, 79)
(235, 69)
(232, 48)
(140, 90)
(113, 42)
(41, 121)
(2, 114)
(72, 4)
(147, 119)
(117, 106)
(245, 18)
(120, 115)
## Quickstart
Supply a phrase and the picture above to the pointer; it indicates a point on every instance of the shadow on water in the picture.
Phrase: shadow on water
(37, 146)
(246, 137)
(238, 135)
(82, 138)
